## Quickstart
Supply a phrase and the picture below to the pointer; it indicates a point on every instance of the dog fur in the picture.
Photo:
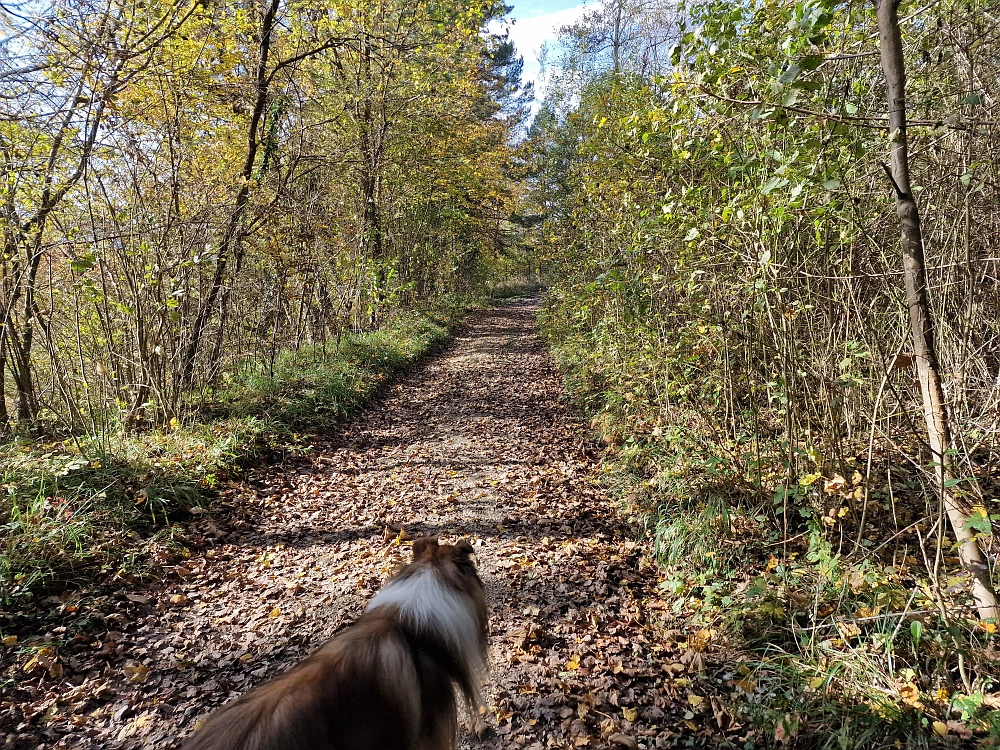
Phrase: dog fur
(387, 682)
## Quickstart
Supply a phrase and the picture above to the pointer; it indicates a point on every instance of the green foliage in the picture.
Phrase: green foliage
(101, 507)
(310, 388)
(198, 186)
(726, 302)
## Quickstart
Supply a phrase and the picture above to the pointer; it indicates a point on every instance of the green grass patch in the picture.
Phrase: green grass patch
(518, 286)
(103, 506)
(312, 387)
(844, 622)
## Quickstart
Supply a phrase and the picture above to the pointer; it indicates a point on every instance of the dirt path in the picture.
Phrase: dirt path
(476, 443)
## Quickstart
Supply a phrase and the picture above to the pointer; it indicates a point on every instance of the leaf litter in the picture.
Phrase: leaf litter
(477, 443)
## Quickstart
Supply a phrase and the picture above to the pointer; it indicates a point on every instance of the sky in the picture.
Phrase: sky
(534, 22)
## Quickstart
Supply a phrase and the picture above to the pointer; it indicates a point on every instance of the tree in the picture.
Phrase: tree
(195, 187)
(59, 97)
(935, 411)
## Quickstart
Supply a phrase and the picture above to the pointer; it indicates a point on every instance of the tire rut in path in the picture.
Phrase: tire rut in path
(475, 443)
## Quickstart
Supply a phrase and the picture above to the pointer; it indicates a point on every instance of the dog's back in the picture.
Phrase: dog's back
(385, 683)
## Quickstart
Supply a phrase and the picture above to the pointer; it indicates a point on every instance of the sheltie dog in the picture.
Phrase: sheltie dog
(387, 682)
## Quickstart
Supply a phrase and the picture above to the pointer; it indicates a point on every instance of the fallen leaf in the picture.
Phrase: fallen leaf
(43, 659)
(958, 728)
(699, 641)
(910, 694)
(623, 740)
(832, 485)
(136, 674)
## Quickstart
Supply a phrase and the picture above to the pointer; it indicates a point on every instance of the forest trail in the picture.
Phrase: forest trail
(476, 443)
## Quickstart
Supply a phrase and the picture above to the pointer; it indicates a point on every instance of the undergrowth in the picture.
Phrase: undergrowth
(524, 286)
(96, 507)
(833, 592)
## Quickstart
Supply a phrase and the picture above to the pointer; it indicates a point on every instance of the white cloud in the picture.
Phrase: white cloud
(529, 34)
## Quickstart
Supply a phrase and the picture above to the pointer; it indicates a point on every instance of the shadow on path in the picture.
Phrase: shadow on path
(477, 442)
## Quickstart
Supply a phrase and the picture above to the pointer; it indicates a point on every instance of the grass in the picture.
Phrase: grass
(309, 389)
(524, 285)
(837, 635)
(102, 508)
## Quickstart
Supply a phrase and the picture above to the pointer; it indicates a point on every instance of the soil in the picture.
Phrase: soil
(478, 442)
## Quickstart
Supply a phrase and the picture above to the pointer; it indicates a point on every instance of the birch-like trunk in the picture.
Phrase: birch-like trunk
(921, 323)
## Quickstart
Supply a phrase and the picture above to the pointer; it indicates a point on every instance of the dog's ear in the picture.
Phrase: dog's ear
(463, 548)
(423, 546)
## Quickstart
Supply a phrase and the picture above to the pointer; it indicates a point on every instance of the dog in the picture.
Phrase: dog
(387, 682)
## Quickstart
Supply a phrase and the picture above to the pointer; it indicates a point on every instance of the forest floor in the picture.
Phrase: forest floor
(478, 442)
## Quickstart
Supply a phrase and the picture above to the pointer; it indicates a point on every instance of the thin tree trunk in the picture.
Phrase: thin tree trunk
(232, 239)
(921, 322)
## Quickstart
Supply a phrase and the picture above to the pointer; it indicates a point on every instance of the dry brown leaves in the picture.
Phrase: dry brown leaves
(476, 443)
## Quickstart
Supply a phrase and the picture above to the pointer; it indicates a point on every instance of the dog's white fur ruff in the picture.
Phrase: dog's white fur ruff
(428, 605)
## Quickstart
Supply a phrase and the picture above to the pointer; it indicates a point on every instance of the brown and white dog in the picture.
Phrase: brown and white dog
(387, 682)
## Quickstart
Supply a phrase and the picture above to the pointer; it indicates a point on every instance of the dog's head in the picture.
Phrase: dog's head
(427, 548)
(454, 565)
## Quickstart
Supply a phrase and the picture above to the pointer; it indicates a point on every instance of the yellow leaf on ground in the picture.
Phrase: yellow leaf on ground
(910, 694)
(44, 658)
(275, 612)
(700, 640)
(940, 728)
(574, 662)
(695, 700)
(630, 714)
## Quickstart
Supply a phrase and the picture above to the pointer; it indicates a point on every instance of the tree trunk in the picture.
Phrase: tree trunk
(232, 238)
(370, 143)
(921, 322)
